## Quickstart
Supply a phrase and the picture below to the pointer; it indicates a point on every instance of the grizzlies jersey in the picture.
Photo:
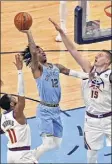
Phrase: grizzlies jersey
(18, 135)
(97, 93)
(48, 85)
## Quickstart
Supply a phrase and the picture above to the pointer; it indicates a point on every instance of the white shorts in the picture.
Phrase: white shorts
(25, 156)
(94, 131)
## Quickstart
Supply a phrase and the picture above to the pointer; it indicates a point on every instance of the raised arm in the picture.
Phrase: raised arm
(85, 64)
(69, 72)
(18, 111)
(35, 64)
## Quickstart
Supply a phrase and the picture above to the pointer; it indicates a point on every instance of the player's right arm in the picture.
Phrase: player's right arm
(35, 64)
(74, 73)
(85, 64)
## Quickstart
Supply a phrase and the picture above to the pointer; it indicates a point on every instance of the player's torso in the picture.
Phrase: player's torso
(18, 135)
(97, 93)
(49, 85)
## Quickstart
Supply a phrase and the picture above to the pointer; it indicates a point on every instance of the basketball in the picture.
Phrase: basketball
(23, 21)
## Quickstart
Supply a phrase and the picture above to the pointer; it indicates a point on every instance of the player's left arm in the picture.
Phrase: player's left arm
(18, 111)
(69, 72)
(110, 78)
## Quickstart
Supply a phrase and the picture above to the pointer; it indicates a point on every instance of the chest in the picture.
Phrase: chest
(7, 123)
(100, 83)
(50, 74)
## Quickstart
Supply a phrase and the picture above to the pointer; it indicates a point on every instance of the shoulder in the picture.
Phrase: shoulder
(107, 75)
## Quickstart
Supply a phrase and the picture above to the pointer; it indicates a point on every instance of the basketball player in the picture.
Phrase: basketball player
(63, 17)
(46, 76)
(98, 99)
(14, 125)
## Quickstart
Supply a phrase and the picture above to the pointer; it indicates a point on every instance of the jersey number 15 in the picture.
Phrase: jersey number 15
(94, 94)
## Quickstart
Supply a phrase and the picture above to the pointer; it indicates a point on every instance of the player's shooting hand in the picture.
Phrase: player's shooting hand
(18, 62)
(57, 27)
(25, 31)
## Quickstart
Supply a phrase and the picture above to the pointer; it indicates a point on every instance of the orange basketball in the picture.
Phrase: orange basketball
(23, 21)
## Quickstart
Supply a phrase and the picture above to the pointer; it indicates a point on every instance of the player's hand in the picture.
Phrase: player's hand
(57, 27)
(92, 73)
(25, 31)
(18, 62)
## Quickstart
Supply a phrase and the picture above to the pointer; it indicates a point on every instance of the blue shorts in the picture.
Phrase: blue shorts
(49, 121)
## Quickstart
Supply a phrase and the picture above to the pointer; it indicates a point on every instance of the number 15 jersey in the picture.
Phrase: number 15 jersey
(97, 93)
(49, 85)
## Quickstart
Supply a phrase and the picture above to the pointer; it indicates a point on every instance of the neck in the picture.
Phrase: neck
(46, 64)
(101, 69)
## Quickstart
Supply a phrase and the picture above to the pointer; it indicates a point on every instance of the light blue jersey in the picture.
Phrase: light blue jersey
(48, 118)
(48, 85)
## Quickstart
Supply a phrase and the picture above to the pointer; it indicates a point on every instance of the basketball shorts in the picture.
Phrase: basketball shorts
(95, 130)
(49, 121)
(21, 157)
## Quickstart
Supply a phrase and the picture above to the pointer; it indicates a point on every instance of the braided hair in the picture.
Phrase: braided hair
(27, 56)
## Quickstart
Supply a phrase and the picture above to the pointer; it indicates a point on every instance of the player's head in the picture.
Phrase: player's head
(7, 102)
(104, 57)
(42, 55)
(27, 55)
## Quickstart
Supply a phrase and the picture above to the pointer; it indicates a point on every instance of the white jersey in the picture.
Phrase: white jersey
(97, 93)
(18, 135)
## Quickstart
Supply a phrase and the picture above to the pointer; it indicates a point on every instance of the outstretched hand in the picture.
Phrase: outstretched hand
(18, 62)
(57, 27)
(92, 73)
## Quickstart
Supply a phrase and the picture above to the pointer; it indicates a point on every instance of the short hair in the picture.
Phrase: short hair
(5, 102)
(109, 53)
(27, 55)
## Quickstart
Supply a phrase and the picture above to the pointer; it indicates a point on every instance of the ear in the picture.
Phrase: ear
(11, 104)
(107, 60)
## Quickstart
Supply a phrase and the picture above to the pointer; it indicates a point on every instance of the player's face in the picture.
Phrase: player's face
(101, 59)
(42, 55)
(13, 100)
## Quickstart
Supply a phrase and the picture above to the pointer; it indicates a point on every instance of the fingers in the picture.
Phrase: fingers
(14, 63)
(52, 21)
(18, 57)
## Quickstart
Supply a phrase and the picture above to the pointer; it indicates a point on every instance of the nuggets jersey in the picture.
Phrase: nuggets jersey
(48, 85)
(97, 93)
(18, 135)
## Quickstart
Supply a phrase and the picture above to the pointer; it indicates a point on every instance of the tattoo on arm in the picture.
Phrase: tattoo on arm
(63, 69)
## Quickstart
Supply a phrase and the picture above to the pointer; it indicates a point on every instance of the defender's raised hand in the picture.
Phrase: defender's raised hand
(57, 27)
(18, 62)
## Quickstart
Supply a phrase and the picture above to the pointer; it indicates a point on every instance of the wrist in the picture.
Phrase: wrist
(19, 70)
(61, 31)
